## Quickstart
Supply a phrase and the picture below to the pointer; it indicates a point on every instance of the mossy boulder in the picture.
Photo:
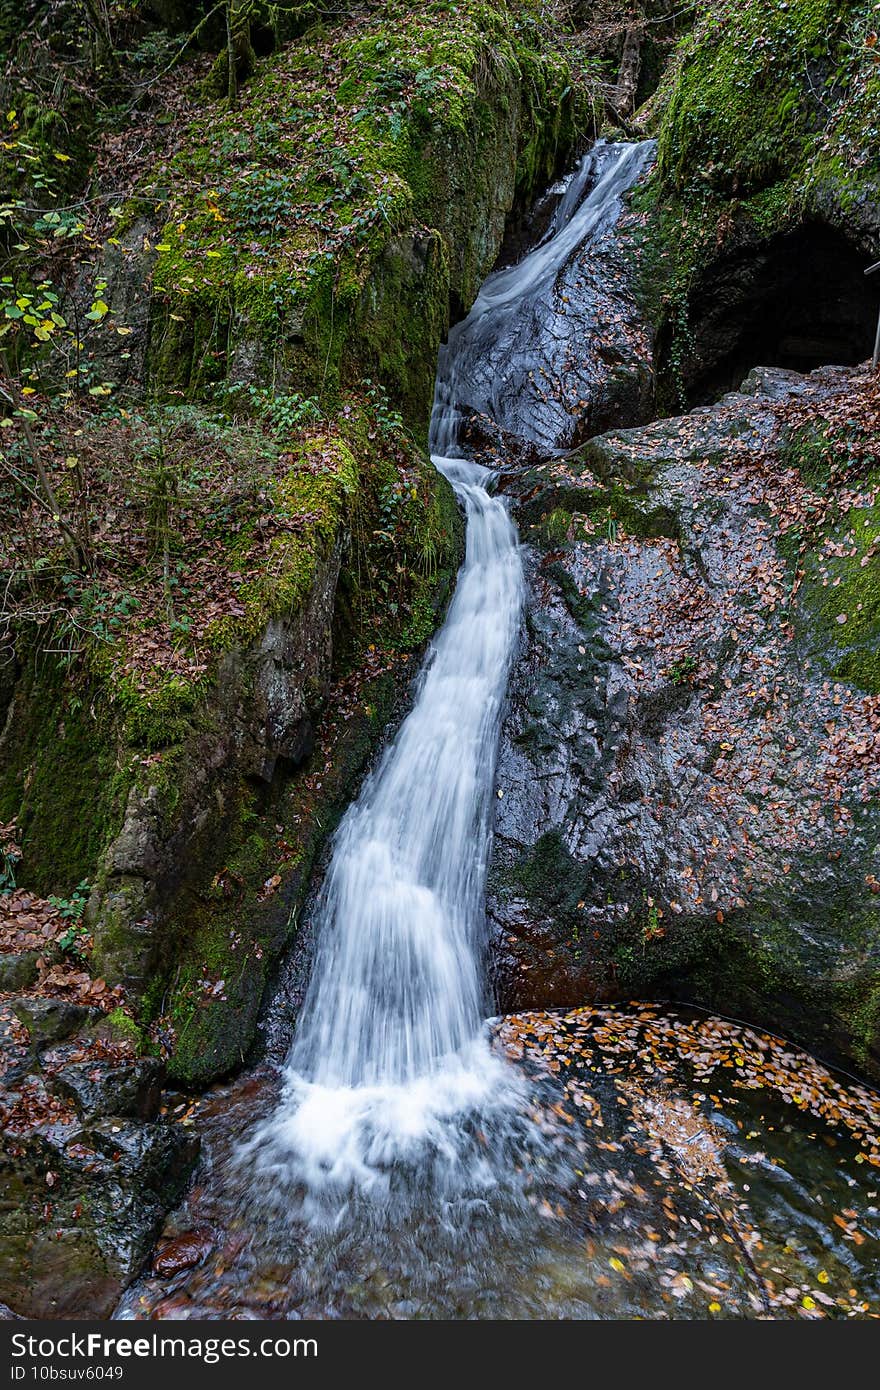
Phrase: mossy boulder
(764, 209)
(318, 232)
(149, 779)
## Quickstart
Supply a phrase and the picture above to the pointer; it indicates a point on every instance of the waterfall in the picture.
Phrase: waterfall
(390, 1054)
(485, 366)
(389, 1046)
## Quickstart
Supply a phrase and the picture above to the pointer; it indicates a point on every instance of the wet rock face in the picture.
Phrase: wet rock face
(50, 1020)
(97, 1089)
(574, 363)
(561, 356)
(87, 1170)
(82, 1208)
(687, 796)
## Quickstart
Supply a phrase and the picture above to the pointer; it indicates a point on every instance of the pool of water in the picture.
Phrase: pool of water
(668, 1164)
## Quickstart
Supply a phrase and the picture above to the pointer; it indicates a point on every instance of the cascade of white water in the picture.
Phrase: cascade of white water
(487, 359)
(389, 1047)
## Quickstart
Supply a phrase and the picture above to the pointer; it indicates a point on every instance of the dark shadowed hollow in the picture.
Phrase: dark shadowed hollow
(799, 301)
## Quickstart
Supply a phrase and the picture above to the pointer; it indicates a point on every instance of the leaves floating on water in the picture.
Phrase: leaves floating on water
(722, 1113)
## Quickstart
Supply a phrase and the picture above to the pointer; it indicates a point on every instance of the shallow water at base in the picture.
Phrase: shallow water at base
(666, 1165)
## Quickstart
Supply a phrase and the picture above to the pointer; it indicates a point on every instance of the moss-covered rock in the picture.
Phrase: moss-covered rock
(763, 212)
(316, 233)
(147, 770)
(743, 111)
(839, 608)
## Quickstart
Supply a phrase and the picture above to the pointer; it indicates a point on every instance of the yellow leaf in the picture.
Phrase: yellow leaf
(714, 1307)
(163, 245)
(212, 253)
(808, 1302)
(822, 1276)
(64, 158)
(617, 1264)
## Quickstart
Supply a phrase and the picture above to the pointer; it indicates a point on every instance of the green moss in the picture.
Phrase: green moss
(61, 776)
(159, 715)
(737, 118)
(316, 504)
(555, 526)
(773, 210)
(863, 1008)
(768, 122)
(550, 876)
(816, 979)
(124, 1028)
(842, 581)
(599, 513)
(296, 222)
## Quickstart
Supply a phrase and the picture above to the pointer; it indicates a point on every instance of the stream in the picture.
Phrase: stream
(412, 1157)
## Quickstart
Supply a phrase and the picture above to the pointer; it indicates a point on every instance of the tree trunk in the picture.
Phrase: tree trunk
(624, 98)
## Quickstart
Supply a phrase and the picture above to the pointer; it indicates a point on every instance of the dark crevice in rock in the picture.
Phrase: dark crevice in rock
(798, 301)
